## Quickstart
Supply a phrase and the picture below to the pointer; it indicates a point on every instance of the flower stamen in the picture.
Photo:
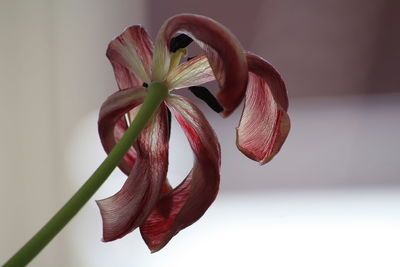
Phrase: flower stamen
(176, 58)
(180, 41)
(205, 95)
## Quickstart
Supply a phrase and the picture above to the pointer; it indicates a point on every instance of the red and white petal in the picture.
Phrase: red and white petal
(161, 59)
(112, 123)
(131, 55)
(264, 124)
(191, 73)
(128, 208)
(223, 51)
(186, 203)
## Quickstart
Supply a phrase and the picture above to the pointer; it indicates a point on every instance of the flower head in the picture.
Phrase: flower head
(146, 200)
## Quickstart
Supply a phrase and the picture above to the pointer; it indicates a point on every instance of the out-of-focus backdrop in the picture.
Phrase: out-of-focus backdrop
(331, 197)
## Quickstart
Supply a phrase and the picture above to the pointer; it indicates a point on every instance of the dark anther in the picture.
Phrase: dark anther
(145, 85)
(180, 41)
(169, 122)
(205, 95)
(190, 58)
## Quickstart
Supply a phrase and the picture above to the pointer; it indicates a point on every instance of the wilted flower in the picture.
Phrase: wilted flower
(146, 200)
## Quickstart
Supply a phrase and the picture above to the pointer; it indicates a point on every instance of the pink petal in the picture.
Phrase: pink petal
(264, 124)
(191, 73)
(223, 51)
(185, 204)
(131, 54)
(128, 208)
(112, 123)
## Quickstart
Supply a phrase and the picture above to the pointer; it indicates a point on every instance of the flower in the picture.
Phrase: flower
(146, 200)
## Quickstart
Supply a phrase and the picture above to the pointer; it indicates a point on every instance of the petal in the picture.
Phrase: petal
(128, 208)
(186, 203)
(223, 51)
(191, 73)
(131, 54)
(264, 124)
(112, 123)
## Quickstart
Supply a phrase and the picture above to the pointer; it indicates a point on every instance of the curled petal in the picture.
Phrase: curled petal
(186, 203)
(128, 208)
(264, 124)
(112, 123)
(223, 51)
(131, 55)
(191, 73)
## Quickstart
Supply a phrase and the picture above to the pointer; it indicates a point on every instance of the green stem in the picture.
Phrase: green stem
(157, 92)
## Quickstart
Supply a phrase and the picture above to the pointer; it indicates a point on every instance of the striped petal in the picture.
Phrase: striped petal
(112, 123)
(186, 203)
(264, 124)
(223, 51)
(128, 208)
(191, 73)
(131, 55)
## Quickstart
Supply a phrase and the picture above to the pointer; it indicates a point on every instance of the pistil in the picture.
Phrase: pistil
(176, 58)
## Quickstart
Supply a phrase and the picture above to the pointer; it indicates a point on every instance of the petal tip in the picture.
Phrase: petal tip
(263, 157)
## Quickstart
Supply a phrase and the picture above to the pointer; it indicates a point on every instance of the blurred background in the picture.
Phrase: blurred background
(331, 196)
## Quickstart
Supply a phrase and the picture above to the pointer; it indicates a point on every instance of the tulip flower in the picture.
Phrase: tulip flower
(134, 127)
(146, 200)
